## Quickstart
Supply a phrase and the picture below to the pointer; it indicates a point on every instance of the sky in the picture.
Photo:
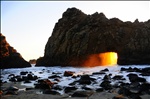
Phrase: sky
(27, 25)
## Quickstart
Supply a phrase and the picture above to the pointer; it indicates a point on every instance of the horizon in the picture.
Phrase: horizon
(27, 25)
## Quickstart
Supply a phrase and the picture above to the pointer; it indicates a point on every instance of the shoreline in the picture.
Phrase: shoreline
(32, 94)
(125, 83)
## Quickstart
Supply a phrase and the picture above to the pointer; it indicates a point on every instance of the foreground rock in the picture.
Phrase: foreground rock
(9, 57)
(127, 85)
(76, 36)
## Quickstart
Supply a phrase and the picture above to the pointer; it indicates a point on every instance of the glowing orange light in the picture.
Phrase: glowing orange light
(102, 59)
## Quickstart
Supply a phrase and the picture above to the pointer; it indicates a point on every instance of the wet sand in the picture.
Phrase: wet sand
(33, 94)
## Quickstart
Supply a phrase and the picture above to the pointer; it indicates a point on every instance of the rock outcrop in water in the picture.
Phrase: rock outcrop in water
(77, 36)
(32, 61)
(9, 57)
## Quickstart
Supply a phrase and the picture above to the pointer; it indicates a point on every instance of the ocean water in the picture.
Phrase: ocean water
(45, 72)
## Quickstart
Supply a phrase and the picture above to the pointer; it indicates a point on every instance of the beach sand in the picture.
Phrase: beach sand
(33, 94)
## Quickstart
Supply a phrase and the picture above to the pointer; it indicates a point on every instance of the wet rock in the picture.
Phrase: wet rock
(48, 91)
(74, 76)
(140, 79)
(11, 75)
(145, 88)
(68, 73)
(107, 77)
(54, 76)
(9, 92)
(56, 79)
(41, 72)
(44, 84)
(30, 88)
(1, 81)
(30, 77)
(124, 91)
(82, 94)
(106, 85)
(13, 88)
(135, 78)
(57, 87)
(135, 96)
(69, 89)
(145, 72)
(86, 88)
(27, 81)
(105, 70)
(98, 73)
(73, 83)
(130, 69)
(118, 77)
(134, 85)
(147, 69)
(99, 89)
(117, 85)
(134, 90)
(56, 73)
(85, 79)
(19, 78)
(24, 78)
(23, 73)
(123, 69)
(137, 69)
(13, 79)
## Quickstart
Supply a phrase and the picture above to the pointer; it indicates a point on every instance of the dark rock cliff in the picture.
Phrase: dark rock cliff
(9, 57)
(77, 35)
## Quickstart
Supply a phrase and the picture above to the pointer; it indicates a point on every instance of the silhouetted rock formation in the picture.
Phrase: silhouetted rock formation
(32, 61)
(77, 35)
(9, 57)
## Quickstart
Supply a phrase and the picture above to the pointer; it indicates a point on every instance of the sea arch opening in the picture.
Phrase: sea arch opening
(101, 59)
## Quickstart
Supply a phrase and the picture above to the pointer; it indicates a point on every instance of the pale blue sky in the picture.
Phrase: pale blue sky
(27, 25)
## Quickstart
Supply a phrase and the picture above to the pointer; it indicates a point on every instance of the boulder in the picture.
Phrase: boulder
(44, 84)
(85, 79)
(135, 78)
(68, 73)
(106, 85)
(69, 89)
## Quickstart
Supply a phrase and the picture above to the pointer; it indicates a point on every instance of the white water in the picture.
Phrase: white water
(45, 72)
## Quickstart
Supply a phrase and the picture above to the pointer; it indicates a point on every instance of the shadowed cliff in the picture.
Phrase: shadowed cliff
(76, 36)
(9, 57)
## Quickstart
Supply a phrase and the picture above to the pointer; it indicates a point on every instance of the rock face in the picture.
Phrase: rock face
(9, 57)
(32, 61)
(77, 36)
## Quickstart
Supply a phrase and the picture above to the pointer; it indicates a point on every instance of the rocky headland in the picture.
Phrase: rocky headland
(77, 35)
(9, 57)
